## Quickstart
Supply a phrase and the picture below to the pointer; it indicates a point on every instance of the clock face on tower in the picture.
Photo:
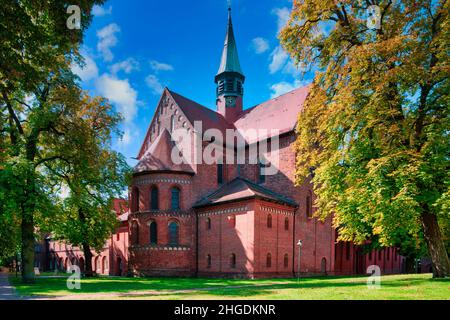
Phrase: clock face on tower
(230, 101)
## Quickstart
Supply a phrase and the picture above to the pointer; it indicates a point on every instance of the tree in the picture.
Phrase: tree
(36, 51)
(374, 129)
(93, 178)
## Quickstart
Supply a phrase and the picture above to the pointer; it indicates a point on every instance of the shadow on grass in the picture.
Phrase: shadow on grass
(131, 287)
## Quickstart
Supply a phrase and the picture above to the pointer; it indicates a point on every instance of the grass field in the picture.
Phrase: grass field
(412, 286)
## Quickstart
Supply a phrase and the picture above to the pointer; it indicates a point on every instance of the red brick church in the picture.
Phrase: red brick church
(227, 219)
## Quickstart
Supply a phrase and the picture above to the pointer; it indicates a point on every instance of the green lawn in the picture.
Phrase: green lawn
(412, 286)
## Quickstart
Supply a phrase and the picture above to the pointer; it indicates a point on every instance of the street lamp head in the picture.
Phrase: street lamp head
(299, 243)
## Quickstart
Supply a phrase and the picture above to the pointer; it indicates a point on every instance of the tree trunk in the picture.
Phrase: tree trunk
(436, 247)
(27, 227)
(27, 224)
(88, 260)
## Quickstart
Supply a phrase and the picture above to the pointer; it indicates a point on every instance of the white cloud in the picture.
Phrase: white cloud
(279, 58)
(291, 68)
(154, 84)
(260, 45)
(88, 71)
(127, 137)
(159, 66)
(99, 11)
(282, 15)
(106, 40)
(283, 87)
(126, 66)
(120, 93)
(280, 61)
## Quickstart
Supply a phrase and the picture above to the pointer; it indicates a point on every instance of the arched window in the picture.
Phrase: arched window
(232, 260)
(286, 260)
(232, 220)
(323, 265)
(309, 204)
(175, 198)
(104, 265)
(172, 123)
(99, 264)
(269, 221)
(153, 233)
(154, 199)
(286, 223)
(81, 264)
(208, 223)
(219, 173)
(347, 250)
(135, 200)
(134, 233)
(208, 261)
(174, 231)
(269, 260)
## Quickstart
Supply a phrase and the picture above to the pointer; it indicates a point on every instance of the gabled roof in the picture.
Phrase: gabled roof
(158, 157)
(279, 113)
(230, 59)
(196, 112)
(240, 189)
(120, 207)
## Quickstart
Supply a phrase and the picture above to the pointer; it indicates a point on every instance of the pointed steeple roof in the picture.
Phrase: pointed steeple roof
(230, 59)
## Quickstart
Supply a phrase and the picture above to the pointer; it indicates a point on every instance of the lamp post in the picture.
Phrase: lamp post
(299, 244)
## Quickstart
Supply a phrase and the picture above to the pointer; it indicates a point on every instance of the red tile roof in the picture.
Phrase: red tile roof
(240, 189)
(120, 206)
(196, 112)
(158, 157)
(278, 113)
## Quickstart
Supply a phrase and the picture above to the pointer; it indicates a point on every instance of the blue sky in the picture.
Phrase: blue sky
(133, 49)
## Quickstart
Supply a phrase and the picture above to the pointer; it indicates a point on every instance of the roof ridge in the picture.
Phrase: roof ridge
(258, 186)
(251, 186)
(171, 92)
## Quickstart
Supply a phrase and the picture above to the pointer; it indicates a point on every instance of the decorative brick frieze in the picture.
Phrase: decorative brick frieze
(148, 181)
(276, 211)
(223, 211)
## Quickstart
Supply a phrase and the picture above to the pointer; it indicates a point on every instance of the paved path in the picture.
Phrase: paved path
(7, 291)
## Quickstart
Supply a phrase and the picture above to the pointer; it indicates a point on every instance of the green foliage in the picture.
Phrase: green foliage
(49, 128)
(375, 125)
(34, 37)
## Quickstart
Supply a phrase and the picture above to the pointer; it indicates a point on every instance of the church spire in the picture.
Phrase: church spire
(230, 59)
(229, 79)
